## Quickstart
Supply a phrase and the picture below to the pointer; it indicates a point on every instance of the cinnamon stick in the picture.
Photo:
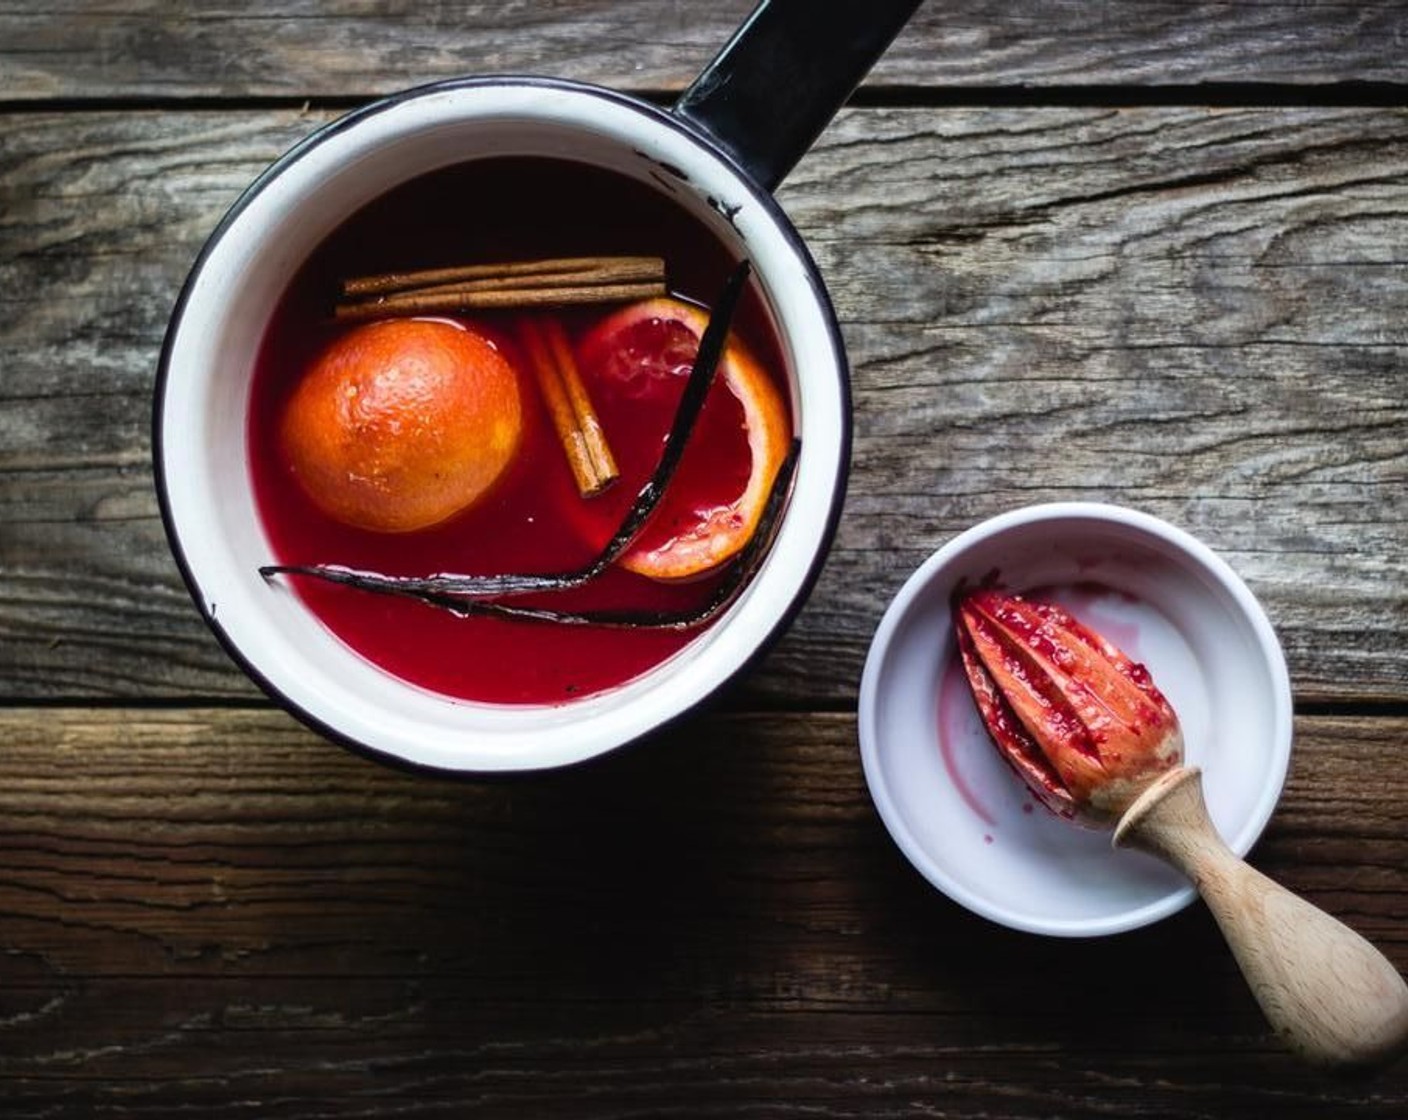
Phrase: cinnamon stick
(540, 283)
(496, 299)
(574, 419)
(614, 268)
(588, 422)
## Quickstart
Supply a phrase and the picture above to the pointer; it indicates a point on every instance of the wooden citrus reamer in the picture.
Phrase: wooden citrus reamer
(1098, 743)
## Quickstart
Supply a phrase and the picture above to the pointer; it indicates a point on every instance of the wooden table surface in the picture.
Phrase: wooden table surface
(1150, 253)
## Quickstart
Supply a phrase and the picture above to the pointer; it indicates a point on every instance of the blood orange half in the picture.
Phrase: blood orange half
(635, 363)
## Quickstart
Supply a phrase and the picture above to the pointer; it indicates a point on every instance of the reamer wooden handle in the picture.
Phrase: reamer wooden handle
(1333, 997)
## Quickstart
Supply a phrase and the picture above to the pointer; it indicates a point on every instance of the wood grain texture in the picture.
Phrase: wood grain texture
(1203, 314)
(355, 48)
(1197, 313)
(214, 909)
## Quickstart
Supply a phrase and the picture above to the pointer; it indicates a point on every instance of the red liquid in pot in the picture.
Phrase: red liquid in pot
(533, 520)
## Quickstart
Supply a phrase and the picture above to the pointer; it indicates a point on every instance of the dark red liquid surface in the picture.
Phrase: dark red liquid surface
(533, 520)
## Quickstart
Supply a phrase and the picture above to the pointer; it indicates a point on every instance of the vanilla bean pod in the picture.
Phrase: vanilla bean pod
(745, 564)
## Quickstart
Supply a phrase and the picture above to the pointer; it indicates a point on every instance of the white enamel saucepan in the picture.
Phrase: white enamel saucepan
(718, 153)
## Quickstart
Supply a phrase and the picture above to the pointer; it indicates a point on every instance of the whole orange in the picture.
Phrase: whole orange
(402, 423)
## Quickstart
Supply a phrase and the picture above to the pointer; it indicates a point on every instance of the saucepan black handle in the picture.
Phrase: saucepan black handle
(781, 78)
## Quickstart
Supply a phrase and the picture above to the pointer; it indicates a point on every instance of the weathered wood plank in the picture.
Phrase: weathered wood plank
(215, 908)
(353, 48)
(1198, 313)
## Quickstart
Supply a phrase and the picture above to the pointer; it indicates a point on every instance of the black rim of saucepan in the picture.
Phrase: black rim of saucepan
(759, 196)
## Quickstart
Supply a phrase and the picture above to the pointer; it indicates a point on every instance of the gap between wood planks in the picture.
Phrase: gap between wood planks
(1358, 708)
(1227, 95)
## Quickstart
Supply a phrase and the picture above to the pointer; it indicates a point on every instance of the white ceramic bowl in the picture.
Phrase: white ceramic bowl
(956, 810)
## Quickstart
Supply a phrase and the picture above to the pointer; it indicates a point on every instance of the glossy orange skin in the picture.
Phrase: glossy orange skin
(402, 423)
